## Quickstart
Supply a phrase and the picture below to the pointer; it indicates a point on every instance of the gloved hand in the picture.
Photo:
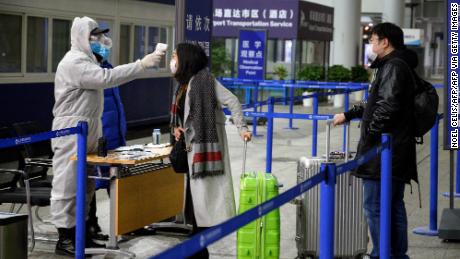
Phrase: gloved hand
(153, 59)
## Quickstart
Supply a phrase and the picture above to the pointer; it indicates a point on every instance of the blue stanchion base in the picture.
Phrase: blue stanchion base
(291, 128)
(425, 231)
(447, 194)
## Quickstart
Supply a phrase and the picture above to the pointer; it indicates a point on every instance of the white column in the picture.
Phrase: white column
(345, 45)
(393, 11)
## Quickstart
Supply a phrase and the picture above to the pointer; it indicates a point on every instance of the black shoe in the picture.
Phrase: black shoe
(91, 244)
(95, 233)
(66, 244)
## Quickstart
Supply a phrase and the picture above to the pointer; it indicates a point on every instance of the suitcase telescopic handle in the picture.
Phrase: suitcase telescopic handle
(245, 149)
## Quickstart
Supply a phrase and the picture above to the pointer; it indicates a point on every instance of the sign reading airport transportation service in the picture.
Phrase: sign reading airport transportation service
(251, 54)
(279, 18)
(451, 119)
(198, 23)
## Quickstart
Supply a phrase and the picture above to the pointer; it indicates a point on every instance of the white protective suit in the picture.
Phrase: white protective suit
(79, 95)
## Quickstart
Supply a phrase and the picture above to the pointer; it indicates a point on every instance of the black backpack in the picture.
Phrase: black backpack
(426, 103)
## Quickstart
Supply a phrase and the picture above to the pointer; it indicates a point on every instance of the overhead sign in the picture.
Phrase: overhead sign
(251, 54)
(198, 23)
(451, 119)
(413, 37)
(316, 22)
(279, 18)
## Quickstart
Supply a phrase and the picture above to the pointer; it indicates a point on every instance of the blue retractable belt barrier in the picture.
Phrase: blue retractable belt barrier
(327, 174)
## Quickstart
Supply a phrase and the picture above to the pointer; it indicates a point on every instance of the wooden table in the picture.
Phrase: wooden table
(142, 198)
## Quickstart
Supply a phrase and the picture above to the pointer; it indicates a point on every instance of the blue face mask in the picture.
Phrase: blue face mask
(99, 49)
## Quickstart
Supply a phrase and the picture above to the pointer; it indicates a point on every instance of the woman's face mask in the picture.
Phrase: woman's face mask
(173, 65)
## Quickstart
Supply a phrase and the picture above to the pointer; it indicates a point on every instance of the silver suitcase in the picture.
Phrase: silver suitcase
(350, 232)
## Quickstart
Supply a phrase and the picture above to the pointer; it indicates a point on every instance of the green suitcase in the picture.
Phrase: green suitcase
(259, 239)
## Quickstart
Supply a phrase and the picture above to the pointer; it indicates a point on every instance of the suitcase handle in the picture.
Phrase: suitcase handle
(245, 149)
(328, 139)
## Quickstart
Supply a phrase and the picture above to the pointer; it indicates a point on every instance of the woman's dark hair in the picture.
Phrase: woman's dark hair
(191, 59)
(392, 32)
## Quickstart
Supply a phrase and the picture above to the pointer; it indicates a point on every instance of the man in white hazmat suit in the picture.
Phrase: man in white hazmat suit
(79, 92)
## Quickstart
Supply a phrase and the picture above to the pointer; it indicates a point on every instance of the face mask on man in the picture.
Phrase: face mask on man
(100, 49)
(173, 66)
(101, 45)
(371, 55)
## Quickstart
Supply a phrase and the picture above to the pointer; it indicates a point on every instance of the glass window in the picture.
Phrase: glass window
(139, 42)
(125, 31)
(61, 40)
(153, 39)
(37, 44)
(10, 43)
(163, 39)
(156, 35)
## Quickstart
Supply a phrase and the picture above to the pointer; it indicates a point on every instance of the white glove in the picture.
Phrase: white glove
(153, 59)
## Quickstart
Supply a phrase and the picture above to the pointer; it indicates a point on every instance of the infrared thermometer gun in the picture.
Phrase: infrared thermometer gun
(161, 47)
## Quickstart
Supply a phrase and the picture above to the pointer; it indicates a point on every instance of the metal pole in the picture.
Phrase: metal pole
(346, 107)
(314, 144)
(254, 119)
(269, 153)
(434, 176)
(81, 190)
(451, 184)
(180, 22)
(326, 222)
(385, 198)
(457, 177)
(291, 105)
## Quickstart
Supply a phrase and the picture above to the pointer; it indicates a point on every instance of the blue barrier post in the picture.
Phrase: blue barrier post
(314, 144)
(247, 94)
(81, 191)
(326, 221)
(291, 106)
(366, 94)
(269, 151)
(432, 229)
(256, 101)
(345, 125)
(385, 198)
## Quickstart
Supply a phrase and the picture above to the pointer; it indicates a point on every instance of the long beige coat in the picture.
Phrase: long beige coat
(213, 197)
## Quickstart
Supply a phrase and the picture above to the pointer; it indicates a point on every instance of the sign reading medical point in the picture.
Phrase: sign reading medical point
(452, 124)
(251, 54)
(198, 23)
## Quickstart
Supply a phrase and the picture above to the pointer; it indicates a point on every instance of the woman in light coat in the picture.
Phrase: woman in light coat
(197, 113)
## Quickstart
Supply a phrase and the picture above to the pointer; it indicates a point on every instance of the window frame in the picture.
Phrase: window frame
(169, 39)
(49, 45)
(115, 21)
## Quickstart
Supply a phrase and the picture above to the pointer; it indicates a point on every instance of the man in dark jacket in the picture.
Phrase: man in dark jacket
(389, 109)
